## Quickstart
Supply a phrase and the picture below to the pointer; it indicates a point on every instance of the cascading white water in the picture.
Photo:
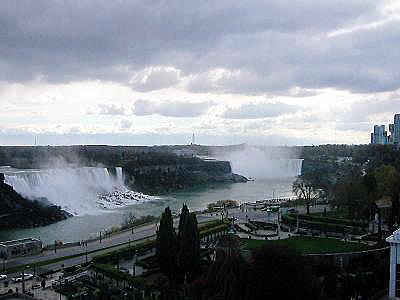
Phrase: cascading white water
(291, 167)
(268, 168)
(77, 190)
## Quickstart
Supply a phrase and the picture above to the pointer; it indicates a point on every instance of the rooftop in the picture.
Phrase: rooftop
(20, 241)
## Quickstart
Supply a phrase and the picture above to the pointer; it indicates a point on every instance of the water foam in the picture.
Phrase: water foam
(79, 191)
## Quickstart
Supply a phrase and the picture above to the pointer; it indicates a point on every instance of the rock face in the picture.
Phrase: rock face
(18, 212)
(159, 179)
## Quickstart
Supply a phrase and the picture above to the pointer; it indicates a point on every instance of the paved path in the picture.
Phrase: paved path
(121, 239)
(139, 233)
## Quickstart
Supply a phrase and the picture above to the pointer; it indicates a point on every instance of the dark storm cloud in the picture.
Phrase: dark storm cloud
(267, 46)
(171, 108)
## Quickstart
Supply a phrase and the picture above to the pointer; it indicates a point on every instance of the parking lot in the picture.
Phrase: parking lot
(33, 286)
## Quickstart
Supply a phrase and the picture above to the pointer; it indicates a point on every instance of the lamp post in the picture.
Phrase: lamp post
(23, 279)
(279, 225)
(4, 263)
(86, 245)
(134, 260)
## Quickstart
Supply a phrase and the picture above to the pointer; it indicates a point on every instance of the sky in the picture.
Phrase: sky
(277, 72)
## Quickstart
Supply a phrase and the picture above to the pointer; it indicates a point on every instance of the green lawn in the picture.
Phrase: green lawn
(307, 245)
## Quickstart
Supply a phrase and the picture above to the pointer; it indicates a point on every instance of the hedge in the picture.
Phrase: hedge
(321, 226)
(331, 220)
(126, 251)
(213, 230)
(111, 272)
(210, 224)
(265, 225)
(205, 230)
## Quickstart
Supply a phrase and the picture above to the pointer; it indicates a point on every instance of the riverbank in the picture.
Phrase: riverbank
(89, 226)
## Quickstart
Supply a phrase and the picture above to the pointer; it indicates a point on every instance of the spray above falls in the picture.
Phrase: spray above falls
(85, 190)
(261, 163)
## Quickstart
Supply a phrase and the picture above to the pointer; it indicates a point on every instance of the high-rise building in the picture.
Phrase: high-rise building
(379, 136)
(391, 136)
(396, 129)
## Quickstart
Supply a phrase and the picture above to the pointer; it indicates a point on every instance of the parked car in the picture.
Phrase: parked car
(3, 277)
(19, 278)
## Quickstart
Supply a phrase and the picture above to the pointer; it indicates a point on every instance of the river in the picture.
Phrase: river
(83, 226)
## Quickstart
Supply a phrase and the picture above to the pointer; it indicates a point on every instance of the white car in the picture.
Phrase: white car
(18, 278)
(3, 277)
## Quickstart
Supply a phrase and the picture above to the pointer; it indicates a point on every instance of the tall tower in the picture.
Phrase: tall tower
(396, 130)
(193, 139)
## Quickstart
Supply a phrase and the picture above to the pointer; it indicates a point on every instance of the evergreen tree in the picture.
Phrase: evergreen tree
(189, 248)
(166, 247)
(182, 218)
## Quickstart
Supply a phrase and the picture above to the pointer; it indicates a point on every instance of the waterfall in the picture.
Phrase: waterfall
(120, 177)
(79, 191)
(267, 168)
(263, 163)
(292, 167)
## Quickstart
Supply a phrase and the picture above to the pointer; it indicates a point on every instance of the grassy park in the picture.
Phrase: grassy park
(308, 245)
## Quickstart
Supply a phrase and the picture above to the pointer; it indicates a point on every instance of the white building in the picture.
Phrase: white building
(394, 241)
(28, 246)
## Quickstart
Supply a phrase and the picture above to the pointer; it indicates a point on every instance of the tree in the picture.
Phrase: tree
(275, 272)
(305, 191)
(189, 248)
(280, 272)
(166, 246)
(349, 193)
(227, 278)
(182, 218)
(388, 184)
(128, 219)
(370, 184)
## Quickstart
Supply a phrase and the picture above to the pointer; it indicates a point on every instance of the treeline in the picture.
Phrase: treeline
(355, 185)
(109, 156)
(358, 153)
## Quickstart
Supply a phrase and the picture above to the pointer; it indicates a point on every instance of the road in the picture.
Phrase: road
(122, 239)
(115, 241)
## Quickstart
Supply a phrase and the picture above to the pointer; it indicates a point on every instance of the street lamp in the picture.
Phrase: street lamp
(4, 263)
(134, 260)
(86, 253)
(23, 279)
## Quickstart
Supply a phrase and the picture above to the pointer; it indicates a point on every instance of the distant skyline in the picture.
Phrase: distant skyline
(276, 72)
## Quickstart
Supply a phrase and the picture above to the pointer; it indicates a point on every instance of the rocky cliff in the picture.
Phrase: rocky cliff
(158, 179)
(16, 211)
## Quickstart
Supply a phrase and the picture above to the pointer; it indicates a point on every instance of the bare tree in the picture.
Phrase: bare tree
(305, 192)
(128, 220)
